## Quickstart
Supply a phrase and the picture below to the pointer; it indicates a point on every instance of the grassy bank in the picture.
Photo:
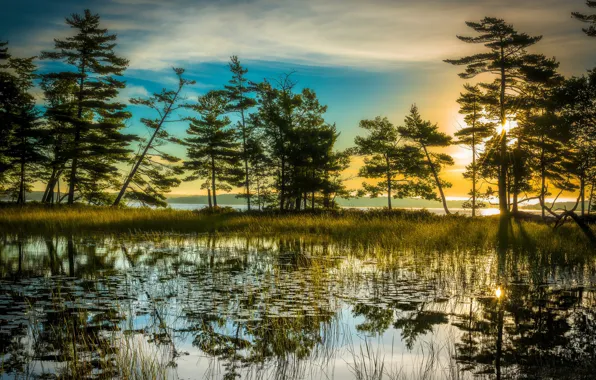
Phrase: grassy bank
(379, 228)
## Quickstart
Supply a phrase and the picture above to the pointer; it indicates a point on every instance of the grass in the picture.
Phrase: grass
(385, 229)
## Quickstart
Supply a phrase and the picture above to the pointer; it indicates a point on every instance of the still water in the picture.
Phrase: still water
(206, 307)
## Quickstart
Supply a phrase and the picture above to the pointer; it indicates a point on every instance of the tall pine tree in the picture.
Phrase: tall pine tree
(96, 126)
(238, 91)
(471, 103)
(399, 169)
(213, 153)
(505, 57)
(426, 135)
(153, 171)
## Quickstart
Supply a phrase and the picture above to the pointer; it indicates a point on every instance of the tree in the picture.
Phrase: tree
(213, 152)
(397, 165)
(589, 19)
(21, 128)
(4, 50)
(426, 135)
(505, 58)
(577, 99)
(98, 142)
(59, 97)
(152, 171)
(471, 105)
(277, 117)
(237, 92)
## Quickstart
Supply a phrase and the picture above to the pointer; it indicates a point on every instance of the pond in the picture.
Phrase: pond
(226, 307)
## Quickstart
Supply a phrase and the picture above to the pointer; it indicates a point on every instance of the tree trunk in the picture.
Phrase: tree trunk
(517, 165)
(77, 138)
(542, 179)
(437, 180)
(137, 164)
(213, 181)
(209, 199)
(21, 197)
(245, 156)
(282, 187)
(582, 192)
(474, 162)
(502, 179)
(388, 182)
(590, 199)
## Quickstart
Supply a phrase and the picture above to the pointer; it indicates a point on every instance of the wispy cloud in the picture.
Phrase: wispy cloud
(379, 33)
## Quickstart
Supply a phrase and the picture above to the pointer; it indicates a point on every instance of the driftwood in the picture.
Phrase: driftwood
(561, 218)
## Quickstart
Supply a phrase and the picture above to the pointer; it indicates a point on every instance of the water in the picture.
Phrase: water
(220, 307)
(437, 211)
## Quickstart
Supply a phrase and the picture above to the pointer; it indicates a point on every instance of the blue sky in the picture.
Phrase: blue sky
(363, 58)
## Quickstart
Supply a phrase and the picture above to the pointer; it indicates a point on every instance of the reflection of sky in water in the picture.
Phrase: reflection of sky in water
(315, 310)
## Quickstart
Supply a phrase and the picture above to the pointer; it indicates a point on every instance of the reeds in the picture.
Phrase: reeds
(385, 229)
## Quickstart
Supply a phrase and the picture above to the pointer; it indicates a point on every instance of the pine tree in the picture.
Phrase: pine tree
(240, 103)
(213, 152)
(399, 167)
(589, 19)
(21, 132)
(4, 50)
(98, 142)
(277, 118)
(426, 135)
(153, 171)
(577, 101)
(472, 106)
(505, 58)
(59, 97)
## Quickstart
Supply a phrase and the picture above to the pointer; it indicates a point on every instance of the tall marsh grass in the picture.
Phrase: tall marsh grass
(388, 229)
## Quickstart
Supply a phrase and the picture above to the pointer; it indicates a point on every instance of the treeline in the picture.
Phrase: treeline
(531, 132)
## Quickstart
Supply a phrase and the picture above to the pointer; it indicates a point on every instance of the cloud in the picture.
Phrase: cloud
(378, 33)
(132, 91)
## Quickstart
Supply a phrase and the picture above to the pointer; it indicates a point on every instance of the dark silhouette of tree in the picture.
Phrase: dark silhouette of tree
(20, 152)
(213, 152)
(4, 50)
(472, 106)
(426, 135)
(59, 97)
(505, 58)
(589, 19)
(153, 172)
(540, 135)
(237, 91)
(400, 167)
(98, 142)
(576, 100)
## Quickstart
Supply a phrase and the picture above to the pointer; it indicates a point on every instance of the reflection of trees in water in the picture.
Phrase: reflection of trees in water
(271, 305)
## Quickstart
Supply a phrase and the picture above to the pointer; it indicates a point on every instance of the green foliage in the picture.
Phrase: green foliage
(238, 91)
(425, 135)
(154, 172)
(213, 153)
(21, 134)
(399, 167)
(92, 116)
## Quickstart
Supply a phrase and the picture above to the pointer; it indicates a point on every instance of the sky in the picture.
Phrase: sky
(362, 58)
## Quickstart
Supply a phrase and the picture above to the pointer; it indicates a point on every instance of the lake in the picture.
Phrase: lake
(224, 307)
(433, 210)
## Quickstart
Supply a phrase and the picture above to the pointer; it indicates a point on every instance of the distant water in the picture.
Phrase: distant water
(438, 211)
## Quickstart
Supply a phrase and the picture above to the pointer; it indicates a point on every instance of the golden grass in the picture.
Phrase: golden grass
(391, 230)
